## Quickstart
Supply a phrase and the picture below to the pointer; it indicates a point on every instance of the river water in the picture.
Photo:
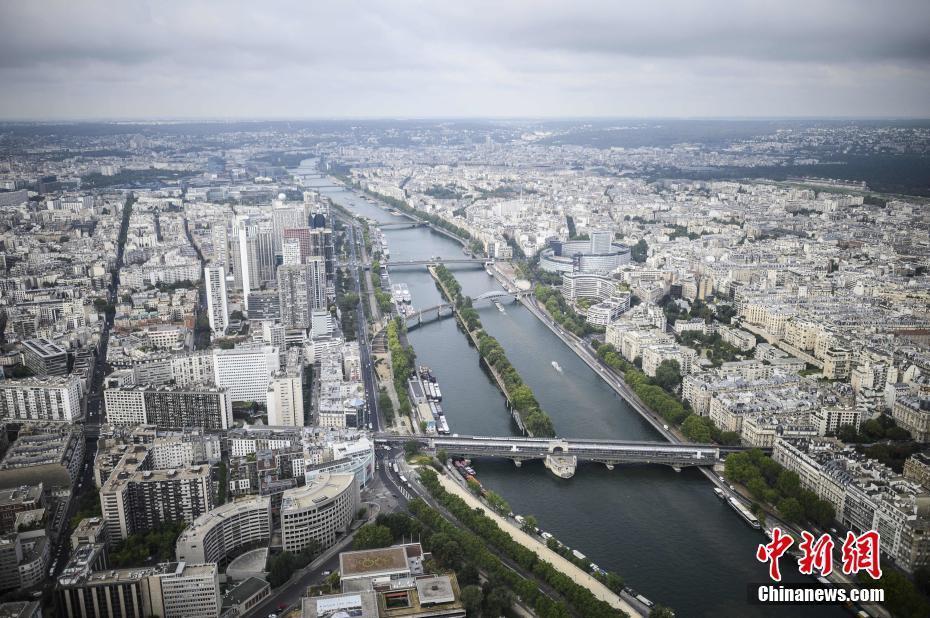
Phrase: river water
(664, 532)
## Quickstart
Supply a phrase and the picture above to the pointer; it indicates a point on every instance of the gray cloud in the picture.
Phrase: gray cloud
(112, 58)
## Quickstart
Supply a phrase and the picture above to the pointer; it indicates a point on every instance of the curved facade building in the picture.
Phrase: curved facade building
(226, 530)
(598, 255)
(320, 510)
(584, 285)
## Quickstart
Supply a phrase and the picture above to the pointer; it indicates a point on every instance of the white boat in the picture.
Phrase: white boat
(556, 366)
(720, 493)
(740, 508)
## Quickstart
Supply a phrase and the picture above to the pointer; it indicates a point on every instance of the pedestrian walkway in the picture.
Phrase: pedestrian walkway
(580, 577)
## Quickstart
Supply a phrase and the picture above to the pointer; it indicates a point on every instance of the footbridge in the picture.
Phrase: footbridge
(561, 455)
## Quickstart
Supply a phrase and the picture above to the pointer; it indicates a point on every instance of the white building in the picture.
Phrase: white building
(214, 278)
(187, 591)
(50, 398)
(245, 371)
(285, 399)
(321, 510)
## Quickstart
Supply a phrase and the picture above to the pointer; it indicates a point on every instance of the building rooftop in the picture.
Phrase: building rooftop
(371, 562)
(322, 488)
(244, 591)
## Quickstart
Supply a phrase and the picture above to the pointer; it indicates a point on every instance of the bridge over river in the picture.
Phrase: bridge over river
(439, 260)
(561, 455)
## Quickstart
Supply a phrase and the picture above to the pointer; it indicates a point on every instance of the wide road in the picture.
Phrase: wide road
(372, 414)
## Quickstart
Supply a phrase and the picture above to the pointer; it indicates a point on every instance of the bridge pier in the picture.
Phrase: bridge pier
(563, 466)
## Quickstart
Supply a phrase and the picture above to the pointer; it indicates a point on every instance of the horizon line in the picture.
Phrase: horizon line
(230, 119)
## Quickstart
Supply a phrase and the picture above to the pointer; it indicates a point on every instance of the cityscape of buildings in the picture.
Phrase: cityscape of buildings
(205, 352)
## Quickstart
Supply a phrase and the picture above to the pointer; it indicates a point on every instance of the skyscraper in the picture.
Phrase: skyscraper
(286, 399)
(214, 278)
(316, 273)
(253, 256)
(284, 217)
(290, 252)
(302, 290)
(294, 292)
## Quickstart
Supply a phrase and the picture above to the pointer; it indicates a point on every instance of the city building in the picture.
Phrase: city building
(245, 371)
(586, 256)
(214, 278)
(169, 406)
(169, 590)
(136, 497)
(320, 511)
(285, 399)
(44, 357)
(226, 531)
(51, 398)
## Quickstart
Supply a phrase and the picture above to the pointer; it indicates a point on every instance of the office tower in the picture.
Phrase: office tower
(317, 275)
(221, 244)
(290, 252)
(284, 217)
(253, 256)
(294, 292)
(246, 370)
(264, 305)
(302, 236)
(214, 278)
(600, 241)
(286, 399)
(321, 245)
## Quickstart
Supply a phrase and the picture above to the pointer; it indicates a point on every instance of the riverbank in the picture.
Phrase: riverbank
(569, 569)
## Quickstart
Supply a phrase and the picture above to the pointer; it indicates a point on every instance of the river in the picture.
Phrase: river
(664, 532)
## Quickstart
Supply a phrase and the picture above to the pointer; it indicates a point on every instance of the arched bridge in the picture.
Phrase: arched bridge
(562, 454)
(430, 314)
(499, 295)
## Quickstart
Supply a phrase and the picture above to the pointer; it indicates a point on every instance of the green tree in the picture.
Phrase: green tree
(411, 448)
(791, 509)
(660, 611)
(472, 599)
(668, 375)
(372, 536)
(639, 251)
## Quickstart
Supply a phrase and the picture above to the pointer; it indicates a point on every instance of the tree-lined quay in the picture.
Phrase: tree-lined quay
(520, 396)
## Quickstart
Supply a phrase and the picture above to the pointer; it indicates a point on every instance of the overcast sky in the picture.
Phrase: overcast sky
(455, 58)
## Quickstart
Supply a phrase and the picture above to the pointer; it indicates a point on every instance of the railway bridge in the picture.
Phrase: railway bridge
(561, 455)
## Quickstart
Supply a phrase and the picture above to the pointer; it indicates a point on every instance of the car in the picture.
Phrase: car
(326, 573)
